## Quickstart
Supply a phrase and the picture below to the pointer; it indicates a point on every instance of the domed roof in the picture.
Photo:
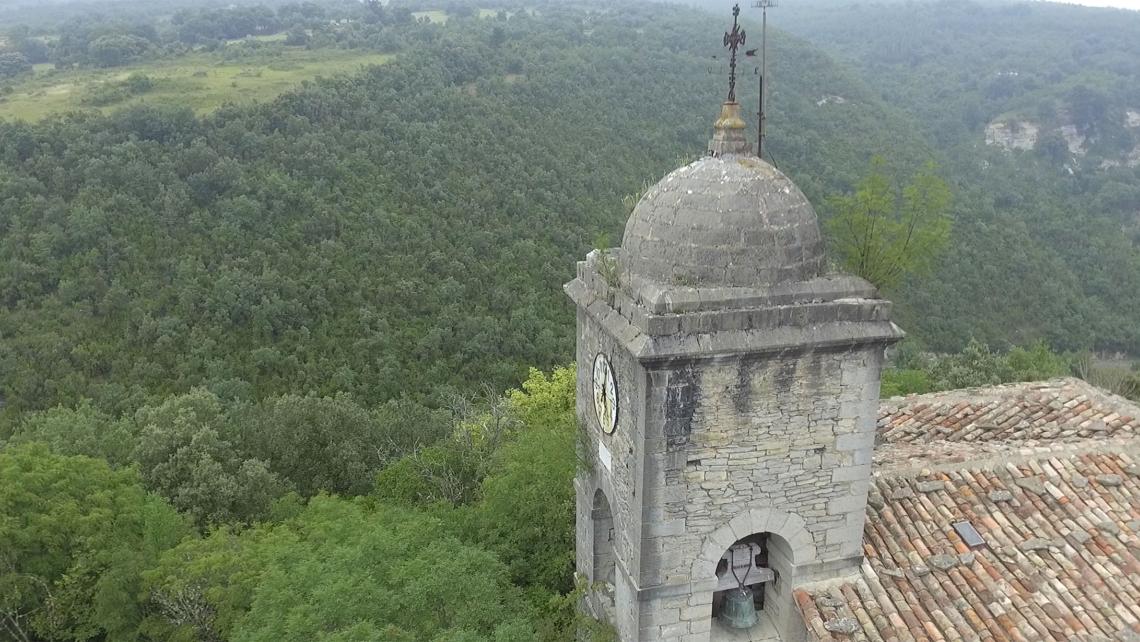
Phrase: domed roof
(723, 221)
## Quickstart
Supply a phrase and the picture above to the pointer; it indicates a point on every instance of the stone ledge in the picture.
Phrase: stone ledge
(837, 324)
(717, 345)
(656, 298)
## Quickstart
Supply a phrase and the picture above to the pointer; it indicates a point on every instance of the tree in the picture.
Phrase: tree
(80, 431)
(13, 64)
(1052, 146)
(204, 586)
(35, 50)
(297, 37)
(317, 444)
(75, 536)
(341, 572)
(1089, 108)
(897, 382)
(367, 575)
(452, 470)
(978, 365)
(527, 508)
(1115, 379)
(112, 51)
(187, 453)
(885, 237)
(1037, 362)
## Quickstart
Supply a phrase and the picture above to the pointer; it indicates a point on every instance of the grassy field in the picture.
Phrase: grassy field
(202, 81)
(273, 37)
(441, 16)
(434, 16)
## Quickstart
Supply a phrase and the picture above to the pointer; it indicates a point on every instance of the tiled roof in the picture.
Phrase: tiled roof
(1058, 509)
(968, 425)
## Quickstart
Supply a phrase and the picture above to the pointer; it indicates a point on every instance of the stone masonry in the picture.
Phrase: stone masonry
(732, 422)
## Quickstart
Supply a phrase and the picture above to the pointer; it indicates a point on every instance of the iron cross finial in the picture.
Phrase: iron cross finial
(732, 40)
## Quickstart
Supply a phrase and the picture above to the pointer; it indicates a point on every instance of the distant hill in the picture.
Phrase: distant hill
(961, 65)
(405, 231)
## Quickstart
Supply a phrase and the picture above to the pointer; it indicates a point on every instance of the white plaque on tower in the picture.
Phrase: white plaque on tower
(604, 456)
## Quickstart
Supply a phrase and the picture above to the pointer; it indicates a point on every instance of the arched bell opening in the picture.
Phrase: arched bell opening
(743, 602)
(602, 596)
(602, 520)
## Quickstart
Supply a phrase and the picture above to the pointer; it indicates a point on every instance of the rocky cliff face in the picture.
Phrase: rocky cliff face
(1132, 159)
(1013, 134)
(1024, 135)
(1074, 140)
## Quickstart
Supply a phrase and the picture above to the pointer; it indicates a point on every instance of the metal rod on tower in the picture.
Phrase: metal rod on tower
(761, 116)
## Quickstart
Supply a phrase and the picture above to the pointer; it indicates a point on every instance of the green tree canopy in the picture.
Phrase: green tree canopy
(75, 536)
(187, 453)
(339, 571)
(885, 235)
(13, 64)
(527, 506)
(83, 430)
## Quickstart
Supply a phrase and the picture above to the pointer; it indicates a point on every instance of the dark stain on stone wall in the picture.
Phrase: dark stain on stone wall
(815, 367)
(785, 375)
(742, 392)
(682, 394)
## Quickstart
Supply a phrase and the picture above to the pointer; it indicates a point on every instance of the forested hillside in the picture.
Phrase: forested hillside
(1035, 110)
(399, 233)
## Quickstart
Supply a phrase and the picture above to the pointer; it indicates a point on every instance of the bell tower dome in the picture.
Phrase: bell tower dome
(728, 390)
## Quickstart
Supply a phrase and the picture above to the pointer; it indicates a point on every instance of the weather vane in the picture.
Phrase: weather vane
(732, 40)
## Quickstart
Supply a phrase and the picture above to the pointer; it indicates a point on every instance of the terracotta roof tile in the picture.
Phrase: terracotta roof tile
(967, 425)
(1047, 473)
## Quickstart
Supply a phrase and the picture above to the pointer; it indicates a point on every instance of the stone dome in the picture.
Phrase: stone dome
(723, 221)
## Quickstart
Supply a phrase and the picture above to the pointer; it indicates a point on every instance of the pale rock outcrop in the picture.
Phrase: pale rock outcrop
(1014, 134)
(1074, 139)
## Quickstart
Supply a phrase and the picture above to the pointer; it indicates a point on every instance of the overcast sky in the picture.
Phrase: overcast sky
(1120, 4)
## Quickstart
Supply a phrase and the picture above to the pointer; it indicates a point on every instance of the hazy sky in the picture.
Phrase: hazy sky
(1120, 4)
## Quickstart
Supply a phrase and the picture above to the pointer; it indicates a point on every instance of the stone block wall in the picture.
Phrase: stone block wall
(741, 412)
(620, 480)
(735, 446)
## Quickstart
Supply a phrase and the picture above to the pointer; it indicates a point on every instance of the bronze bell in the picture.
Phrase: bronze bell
(739, 610)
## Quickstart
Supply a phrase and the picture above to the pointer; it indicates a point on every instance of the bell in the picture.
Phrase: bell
(739, 611)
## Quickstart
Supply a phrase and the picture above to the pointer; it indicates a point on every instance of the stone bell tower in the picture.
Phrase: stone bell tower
(728, 389)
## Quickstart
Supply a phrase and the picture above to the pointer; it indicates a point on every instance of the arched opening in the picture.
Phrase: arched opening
(602, 597)
(603, 526)
(743, 601)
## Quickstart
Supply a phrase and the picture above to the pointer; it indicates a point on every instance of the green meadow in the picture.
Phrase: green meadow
(202, 81)
(433, 15)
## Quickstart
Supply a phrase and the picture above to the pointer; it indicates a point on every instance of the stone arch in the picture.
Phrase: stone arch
(789, 545)
(790, 528)
(602, 531)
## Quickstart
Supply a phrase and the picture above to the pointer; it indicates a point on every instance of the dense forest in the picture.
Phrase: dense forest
(253, 363)
(1046, 238)
(398, 234)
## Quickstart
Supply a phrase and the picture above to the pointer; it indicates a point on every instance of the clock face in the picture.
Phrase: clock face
(605, 394)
